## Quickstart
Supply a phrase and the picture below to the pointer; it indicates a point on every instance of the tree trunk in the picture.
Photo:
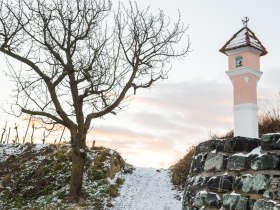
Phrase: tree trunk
(78, 163)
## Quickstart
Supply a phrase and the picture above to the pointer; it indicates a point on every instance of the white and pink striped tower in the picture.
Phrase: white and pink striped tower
(244, 51)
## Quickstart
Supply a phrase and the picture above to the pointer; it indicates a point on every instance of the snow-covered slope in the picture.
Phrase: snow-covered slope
(148, 189)
(37, 177)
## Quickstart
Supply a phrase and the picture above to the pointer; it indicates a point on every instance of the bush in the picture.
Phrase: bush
(5, 180)
(180, 170)
(113, 190)
(119, 181)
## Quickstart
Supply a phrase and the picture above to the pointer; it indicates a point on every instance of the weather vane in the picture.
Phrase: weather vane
(245, 21)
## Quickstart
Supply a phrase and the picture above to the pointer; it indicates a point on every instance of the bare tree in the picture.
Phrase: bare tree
(79, 59)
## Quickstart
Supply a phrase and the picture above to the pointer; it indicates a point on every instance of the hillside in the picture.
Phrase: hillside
(37, 177)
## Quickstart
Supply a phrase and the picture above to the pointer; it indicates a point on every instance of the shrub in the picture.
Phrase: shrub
(180, 170)
(119, 181)
(113, 190)
(5, 180)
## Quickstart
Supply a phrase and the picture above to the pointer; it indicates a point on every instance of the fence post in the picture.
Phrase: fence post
(23, 141)
(32, 133)
(17, 138)
(8, 136)
(4, 130)
(44, 136)
(61, 135)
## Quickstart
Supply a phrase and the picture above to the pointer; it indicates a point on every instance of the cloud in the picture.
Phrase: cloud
(269, 83)
(161, 124)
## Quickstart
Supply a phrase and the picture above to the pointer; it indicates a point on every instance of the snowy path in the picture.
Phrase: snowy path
(147, 189)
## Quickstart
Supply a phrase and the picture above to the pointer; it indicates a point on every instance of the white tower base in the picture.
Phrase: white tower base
(246, 120)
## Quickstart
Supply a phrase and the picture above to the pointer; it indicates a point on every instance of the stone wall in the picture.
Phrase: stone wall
(235, 174)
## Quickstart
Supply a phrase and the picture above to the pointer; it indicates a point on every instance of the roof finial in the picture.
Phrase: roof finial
(245, 21)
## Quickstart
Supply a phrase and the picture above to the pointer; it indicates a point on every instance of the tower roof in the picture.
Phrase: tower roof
(244, 38)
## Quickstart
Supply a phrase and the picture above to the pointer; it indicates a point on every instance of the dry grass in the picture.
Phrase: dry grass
(269, 124)
(180, 170)
(227, 135)
(5, 180)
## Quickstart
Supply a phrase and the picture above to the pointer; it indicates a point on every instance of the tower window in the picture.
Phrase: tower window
(238, 61)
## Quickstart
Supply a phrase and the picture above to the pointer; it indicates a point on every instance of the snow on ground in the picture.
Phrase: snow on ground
(10, 149)
(148, 189)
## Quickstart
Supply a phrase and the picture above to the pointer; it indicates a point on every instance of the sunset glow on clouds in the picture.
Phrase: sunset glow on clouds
(160, 124)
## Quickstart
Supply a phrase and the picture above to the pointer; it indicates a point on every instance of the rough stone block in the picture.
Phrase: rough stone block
(251, 203)
(200, 181)
(263, 205)
(270, 141)
(206, 199)
(260, 183)
(243, 183)
(237, 163)
(267, 194)
(252, 158)
(188, 196)
(220, 183)
(208, 146)
(241, 144)
(273, 186)
(215, 162)
(235, 201)
(277, 207)
(198, 163)
(265, 162)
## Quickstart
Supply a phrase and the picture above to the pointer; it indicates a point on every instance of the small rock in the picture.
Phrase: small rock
(276, 207)
(235, 201)
(263, 205)
(277, 190)
(267, 194)
(251, 203)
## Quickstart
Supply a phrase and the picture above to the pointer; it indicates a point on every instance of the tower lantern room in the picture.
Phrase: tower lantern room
(244, 51)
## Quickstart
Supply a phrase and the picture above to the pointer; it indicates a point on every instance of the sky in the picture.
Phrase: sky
(163, 122)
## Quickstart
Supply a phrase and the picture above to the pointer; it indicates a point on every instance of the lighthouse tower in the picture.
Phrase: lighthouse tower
(244, 51)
